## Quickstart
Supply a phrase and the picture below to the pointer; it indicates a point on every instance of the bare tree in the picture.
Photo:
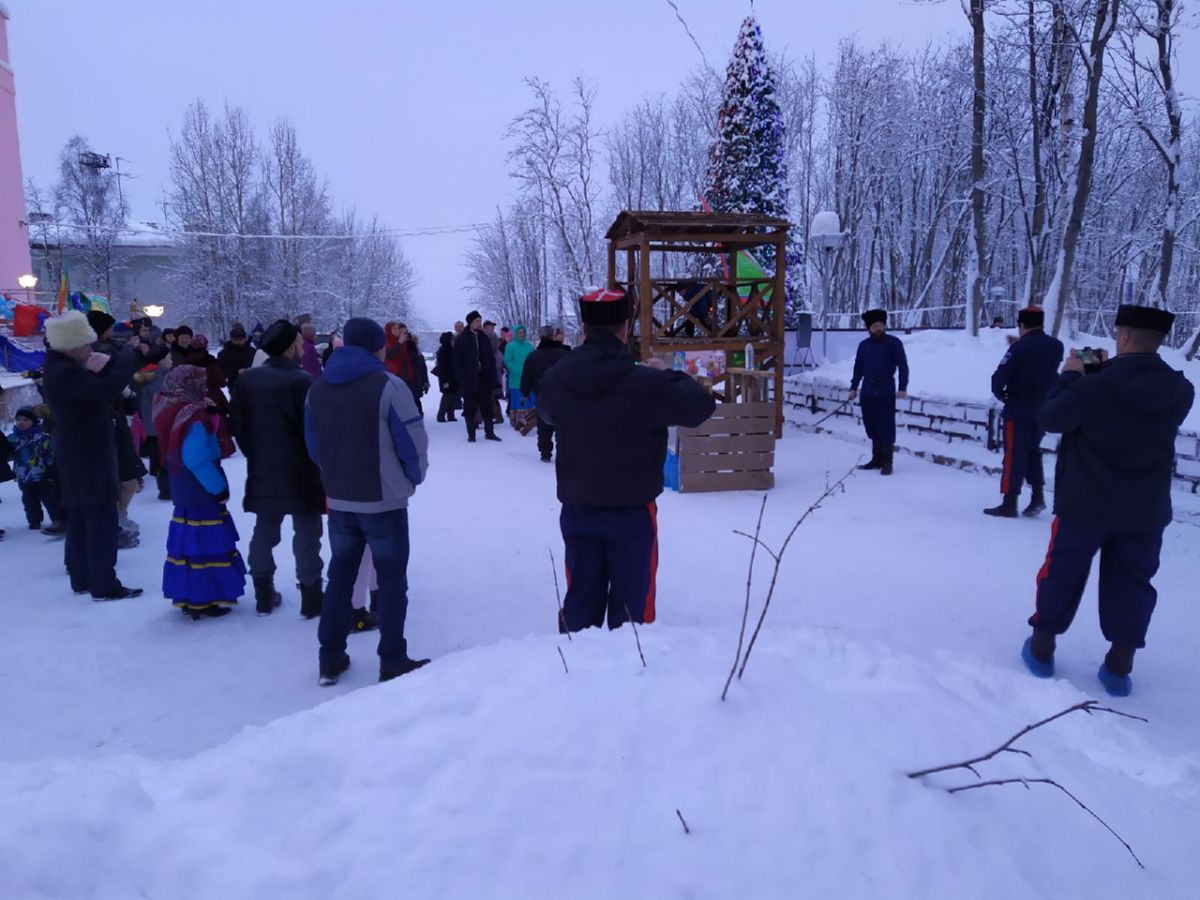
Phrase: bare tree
(975, 274)
(91, 211)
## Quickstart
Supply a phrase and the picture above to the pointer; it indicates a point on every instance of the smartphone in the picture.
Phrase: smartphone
(1087, 356)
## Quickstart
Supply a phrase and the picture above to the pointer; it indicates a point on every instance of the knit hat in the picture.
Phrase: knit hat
(546, 332)
(365, 333)
(279, 335)
(1032, 317)
(69, 331)
(472, 316)
(1148, 317)
(604, 307)
(100, 321)
(26, 412)
(871, 316)
(184, 329)
(237, 332)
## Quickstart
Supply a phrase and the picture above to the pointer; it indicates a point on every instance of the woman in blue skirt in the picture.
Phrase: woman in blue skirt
(204, 573)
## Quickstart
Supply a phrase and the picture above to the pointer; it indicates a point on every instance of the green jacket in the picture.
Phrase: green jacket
(515, 355)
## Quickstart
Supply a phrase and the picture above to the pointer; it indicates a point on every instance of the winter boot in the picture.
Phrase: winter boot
(1114, 671)
(364, 620)
(1037, 504)
(388, 671)
(885, 467)
(1038, 653)
(55, 529)
(329, 672)
(875, 461)
(266, 598)
(310, 600)
(1007, 508)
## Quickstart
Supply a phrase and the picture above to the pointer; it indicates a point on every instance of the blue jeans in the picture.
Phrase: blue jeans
(387, 535)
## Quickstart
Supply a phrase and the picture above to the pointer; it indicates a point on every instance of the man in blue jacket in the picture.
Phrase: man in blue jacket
(1021, 382)
(611, 418)
(363, 429)
(1112, 492)
(878, 360)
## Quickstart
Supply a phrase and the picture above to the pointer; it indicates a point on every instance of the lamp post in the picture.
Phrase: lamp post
(826, 236)
(28, 282)
(153, 311)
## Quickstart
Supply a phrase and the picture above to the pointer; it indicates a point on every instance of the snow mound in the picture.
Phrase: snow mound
(494, 773)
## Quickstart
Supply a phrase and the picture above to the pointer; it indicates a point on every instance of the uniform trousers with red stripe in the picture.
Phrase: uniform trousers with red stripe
(1022, 455)
(1127, 564)
(612, 562)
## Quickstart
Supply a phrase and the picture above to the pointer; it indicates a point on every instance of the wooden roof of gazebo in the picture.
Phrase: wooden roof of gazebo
(741, 228)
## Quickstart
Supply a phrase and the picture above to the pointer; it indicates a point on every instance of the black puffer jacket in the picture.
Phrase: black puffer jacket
(538, 363)
(1118, 430)
(475, 362)
(267, 416)
(611, 418)
(84, 438)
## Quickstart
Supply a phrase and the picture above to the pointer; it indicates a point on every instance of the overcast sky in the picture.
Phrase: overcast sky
(402, 105)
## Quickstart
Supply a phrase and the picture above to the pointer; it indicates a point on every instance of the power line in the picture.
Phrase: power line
(426, 231)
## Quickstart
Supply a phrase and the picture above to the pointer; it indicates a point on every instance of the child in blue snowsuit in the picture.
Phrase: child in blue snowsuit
(33, 464)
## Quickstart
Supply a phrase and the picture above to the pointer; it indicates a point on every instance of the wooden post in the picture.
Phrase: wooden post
(646, 299)
(778, 307)
(612, 264)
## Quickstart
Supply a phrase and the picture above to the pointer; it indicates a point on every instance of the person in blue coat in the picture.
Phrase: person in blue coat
(1112, 492)
(878, 360)
(1021, 382)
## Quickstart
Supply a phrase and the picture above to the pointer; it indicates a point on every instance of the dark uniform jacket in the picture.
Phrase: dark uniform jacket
(234, 359)
(84, 438)
(1118, 430)
(475, 362)
(267, 417)
(548, 352)
(1026, 374)
(876, 364)
(611, 418)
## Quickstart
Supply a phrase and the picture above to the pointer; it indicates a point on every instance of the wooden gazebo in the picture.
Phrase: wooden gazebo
(721, 313)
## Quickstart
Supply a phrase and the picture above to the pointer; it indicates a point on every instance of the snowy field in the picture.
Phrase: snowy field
(146, 755)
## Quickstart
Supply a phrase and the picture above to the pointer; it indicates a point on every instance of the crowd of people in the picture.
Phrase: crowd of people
(338, 436)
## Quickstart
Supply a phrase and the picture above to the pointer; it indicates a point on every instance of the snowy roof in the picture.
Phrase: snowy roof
(692, 224)
(132, 234)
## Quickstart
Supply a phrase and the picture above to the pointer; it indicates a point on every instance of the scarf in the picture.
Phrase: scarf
(179, 403)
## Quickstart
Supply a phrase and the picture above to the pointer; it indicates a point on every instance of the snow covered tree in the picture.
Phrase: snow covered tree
(89, 203)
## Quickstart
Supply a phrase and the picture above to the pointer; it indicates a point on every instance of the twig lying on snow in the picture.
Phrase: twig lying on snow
(777, 556)
(683, 821)
(562, 624)
(563, 658)
(1052, 783)
(1088, 706)
(749, 581)
(635, 636)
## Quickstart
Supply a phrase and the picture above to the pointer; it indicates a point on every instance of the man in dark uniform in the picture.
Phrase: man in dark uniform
(1021, 383)
(1112, 491)
(875, 366)
(611, 416)
(549, 351)
(478, 377)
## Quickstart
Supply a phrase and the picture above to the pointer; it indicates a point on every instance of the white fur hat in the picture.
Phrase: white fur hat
(69, 331)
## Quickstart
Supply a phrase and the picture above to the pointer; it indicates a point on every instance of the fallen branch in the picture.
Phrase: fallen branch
(1088, 706)
(563, 658)
(635, 636)
(562, 624)
(1050, 781)
(778, 557)
(687, 830)
(749, 580)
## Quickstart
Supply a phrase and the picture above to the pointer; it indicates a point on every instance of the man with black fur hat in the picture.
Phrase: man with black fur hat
(1021, 382)
(879, 358)
(611, 417)
(237, 356)
(478, 377)
(183, 343)
(1112, 491)
(267, 417)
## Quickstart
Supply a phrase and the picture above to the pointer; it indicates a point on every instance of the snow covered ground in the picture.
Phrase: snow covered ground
(149, 755)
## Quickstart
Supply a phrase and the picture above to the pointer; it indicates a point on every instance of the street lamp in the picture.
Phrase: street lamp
(153, 311)
(28, 282)
(826, 235)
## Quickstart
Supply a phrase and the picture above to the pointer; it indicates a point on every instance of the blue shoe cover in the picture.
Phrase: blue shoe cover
(1116, 685)
(1036, 666)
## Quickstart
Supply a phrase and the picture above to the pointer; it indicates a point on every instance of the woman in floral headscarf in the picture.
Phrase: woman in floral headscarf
(204, 573)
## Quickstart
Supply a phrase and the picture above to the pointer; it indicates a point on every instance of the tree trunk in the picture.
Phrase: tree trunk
(978, 223)
(1033, 277)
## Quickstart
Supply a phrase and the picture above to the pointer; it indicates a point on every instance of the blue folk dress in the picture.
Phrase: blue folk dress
(203, 567)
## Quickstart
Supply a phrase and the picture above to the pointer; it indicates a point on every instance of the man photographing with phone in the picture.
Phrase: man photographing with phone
(1112, 491)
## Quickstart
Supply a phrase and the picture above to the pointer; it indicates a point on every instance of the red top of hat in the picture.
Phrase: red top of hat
(604, 295)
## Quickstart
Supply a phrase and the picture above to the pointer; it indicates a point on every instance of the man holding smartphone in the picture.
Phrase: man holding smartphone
(1021, 382)
(1112, 491)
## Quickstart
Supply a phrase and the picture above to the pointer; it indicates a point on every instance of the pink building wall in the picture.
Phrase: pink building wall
(14, 238)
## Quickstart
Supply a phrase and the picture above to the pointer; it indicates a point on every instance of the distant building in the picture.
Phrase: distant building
(14, 239)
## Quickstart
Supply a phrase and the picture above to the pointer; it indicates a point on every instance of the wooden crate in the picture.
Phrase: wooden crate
(733, 451)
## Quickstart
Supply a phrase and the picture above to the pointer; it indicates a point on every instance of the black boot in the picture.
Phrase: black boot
(886, 467)
(310, 600)
(1037, 504)
(266, 598)
(1007, 508)
(373, 606)
(362, 620)
(1119, 659)
(875, 461)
